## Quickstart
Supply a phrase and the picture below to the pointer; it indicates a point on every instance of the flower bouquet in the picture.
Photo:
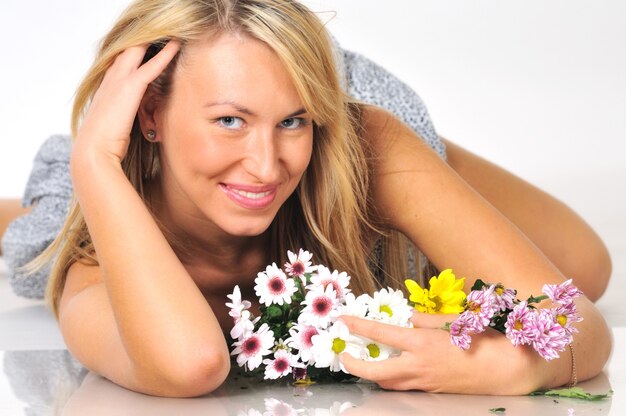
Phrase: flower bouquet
(548, 330)
(297, 331)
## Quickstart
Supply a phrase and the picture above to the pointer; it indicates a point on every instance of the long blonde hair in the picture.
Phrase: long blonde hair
(328, 213)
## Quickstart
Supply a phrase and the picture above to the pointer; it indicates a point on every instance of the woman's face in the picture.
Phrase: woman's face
(235, 138)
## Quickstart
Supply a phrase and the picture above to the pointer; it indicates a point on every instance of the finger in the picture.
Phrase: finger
(431, 320)
(394, 336)
(376, 371)
(157, 64)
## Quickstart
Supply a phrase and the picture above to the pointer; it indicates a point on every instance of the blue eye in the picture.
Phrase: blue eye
(293, 123)
(230, 122)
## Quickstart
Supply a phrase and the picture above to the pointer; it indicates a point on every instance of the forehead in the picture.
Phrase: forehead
(236, 68)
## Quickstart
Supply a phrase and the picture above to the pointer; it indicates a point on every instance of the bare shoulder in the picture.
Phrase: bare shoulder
(406, 171)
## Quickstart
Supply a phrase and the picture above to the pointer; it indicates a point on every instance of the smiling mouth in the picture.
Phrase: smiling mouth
(251, 195)
(250, 198)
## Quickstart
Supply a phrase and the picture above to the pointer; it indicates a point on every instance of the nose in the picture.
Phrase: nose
(262, 156)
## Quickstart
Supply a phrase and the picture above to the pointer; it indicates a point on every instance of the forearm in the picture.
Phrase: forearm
(159, 310)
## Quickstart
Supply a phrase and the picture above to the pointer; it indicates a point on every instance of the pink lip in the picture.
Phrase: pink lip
(246, 201)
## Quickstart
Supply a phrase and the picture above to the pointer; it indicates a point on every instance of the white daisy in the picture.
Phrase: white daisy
(300, 340)
(376, 351)
(391, 307)
(273, 286)
(300, 264)
(281, 365)
(244, 325)
(328, 345)
(320, 307)
(275, 407)
(236, 305)
(324, 277)
(354, 306)
(251, 349)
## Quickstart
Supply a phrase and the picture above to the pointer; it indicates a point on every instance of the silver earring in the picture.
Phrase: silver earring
(151, 135)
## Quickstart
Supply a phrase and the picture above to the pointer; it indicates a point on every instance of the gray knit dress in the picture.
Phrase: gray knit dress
(49, 187)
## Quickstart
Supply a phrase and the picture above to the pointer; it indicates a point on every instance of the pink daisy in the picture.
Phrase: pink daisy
(550, 337)
(236, 305)
(320, 307)
(481, 305)
(503, 298)
(566, 315)
(273, 286)
(299, 265)
(461, 330)
(520, 324)
(324, 277)
(562, 293)
(280, 366)
(300, 340)
(251, 349)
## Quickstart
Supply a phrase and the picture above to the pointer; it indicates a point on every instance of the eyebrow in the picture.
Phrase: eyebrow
(249, 112)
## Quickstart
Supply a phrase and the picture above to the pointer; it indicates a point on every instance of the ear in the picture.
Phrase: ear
(147, 113)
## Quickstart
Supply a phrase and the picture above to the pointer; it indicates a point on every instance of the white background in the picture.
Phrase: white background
(537, 86)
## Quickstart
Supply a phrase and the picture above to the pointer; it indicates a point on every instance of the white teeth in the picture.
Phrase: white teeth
(252, 195)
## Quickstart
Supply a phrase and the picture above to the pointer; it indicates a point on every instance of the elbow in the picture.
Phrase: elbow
(189, 376)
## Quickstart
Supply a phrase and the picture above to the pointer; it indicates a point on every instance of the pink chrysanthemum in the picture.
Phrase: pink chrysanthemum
(481, 305)
(324, 277)
(503, 298)
(250, 350)
(300, 264)
(300, 340)
(550, 337)
(566, 315)
(461, 330)
(520, 324)
(320, 307)
(273, 286)
(280, 366)
(563, 293)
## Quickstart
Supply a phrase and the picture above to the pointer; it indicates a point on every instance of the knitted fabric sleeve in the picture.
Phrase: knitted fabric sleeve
(48, 192)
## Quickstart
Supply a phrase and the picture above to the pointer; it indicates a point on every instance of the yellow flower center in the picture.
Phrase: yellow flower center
(499, 290)
(562, 320)
(437, 301)
(518, 325)
(473, 307)
(339, 345)
(374, 350)
(387, 310)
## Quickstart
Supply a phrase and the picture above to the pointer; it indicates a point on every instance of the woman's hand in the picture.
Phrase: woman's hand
(429, 362)
(107, 125)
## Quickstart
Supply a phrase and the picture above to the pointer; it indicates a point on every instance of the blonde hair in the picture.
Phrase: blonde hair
(328, 213)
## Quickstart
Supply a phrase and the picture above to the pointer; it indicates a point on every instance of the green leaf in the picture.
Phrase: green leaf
(533, 299)
(274, 313)
(498, 410)
(573, 392)
(478, 284)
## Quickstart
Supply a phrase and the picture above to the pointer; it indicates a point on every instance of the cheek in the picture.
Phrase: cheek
(299, 156)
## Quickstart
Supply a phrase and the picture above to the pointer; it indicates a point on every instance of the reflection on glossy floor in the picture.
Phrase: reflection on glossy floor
(51, 382)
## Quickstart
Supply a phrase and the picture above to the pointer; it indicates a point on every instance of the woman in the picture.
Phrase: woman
(227, 141)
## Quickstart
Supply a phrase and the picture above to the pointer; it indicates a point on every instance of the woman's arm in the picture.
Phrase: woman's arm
(568, 242)
(139, 318)
(418, 194)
